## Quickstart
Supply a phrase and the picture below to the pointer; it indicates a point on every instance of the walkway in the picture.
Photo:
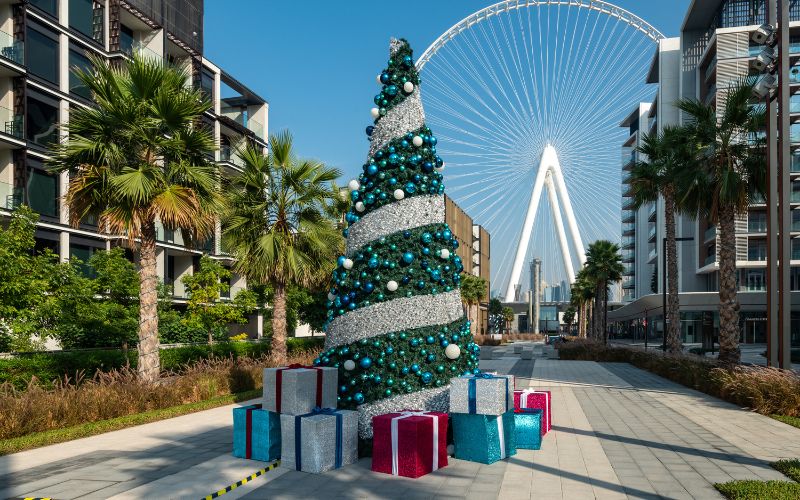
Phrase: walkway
(618, 432)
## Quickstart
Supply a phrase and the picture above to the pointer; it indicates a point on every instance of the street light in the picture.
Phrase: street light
(664, 288)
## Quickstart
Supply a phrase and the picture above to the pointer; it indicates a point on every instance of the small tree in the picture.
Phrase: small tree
(205, 307)
(508, 317)
(569, 318)
(473, 290)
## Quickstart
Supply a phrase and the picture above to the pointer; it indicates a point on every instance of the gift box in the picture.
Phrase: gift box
(482, 393)
(409, 443)
(483, 438)
(256, 433)
(297, 389)
(540, 400)
(320, 440)
(528, 429)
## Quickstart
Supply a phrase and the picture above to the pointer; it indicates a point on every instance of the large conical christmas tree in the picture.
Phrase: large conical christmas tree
(396, 327)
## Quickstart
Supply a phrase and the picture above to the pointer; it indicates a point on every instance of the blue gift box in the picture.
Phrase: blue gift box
(528, 428)
(256, 433)
(484, 438)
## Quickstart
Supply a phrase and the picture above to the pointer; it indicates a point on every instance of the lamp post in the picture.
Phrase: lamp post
(664, 287)
(775, 34)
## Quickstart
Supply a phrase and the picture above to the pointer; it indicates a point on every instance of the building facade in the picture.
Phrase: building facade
(474, 244)
(40, 42)
(713, 52)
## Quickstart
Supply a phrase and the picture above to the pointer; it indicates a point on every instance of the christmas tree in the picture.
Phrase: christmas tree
(396, 328)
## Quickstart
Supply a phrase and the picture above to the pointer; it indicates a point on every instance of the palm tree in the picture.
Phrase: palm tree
(603, 267)
(508, 317)
(569, 318)
(667, 156)
(731, 172)
(136, 159)
(581, 297)
(278, 227)
(473, 290)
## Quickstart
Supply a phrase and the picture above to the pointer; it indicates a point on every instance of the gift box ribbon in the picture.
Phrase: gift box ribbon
(396, 438)
(472, 390)
(298, 459)
(248, 429)
(502, 435)
(279, 383)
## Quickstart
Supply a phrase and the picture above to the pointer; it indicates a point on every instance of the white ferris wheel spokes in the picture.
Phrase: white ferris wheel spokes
(516, 77)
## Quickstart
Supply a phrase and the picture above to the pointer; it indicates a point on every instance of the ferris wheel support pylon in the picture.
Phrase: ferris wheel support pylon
(549, 176)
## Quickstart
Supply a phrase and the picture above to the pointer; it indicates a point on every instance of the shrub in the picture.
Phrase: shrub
(47, 367)
(119, 392)
(755, 490)
(789, 468)
(486, 340)
(766, 390)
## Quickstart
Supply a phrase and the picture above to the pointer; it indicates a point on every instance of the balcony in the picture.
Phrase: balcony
(628, 283)
(10, 196)
(241, 117)
(710, 234)
(11, 49)
(758, 226)
(628, 229)
(628, 216)
(651, 214)
(652, 255)
(13, 125)
(710, 260)
(628, 203)
(173, 236)
(228, 155)
(651, 236)
(757, 251)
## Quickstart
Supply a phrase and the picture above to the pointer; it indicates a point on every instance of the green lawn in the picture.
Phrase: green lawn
(54, 436)
(793, 421)
(756, 490)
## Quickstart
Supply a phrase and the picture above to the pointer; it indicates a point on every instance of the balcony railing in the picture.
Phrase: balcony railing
(710, 259)
(652, 234)
(710, 234)
(242, 118)
(651, 214)
(628, 228)
(10, 196)
(11, 49)
(227, 154)
(13, 125)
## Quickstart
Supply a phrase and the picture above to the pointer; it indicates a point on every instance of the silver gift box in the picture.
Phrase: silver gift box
(492, 396)
(299, 390)
(318, 441)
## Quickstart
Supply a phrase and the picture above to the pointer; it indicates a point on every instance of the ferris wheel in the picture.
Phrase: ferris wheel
(527, 96)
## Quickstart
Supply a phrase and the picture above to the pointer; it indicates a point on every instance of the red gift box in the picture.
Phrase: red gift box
(409, 443)
(538, 400)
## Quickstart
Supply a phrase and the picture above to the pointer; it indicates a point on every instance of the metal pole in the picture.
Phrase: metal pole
(645, 330)
(664, 292)
(784, 215)
(773, 240)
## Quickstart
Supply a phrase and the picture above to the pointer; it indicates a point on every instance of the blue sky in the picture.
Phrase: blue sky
(316, 61)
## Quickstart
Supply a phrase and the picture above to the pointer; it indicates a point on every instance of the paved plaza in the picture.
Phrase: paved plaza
(619, 432)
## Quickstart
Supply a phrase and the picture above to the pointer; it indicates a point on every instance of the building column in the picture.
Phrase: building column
(63, 246)
(161, 263)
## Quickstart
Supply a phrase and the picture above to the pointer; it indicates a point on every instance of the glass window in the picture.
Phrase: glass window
(78, 59)
(796, 220)
(757, 222)
(795, 249)
(49, 6)
(42, 122)
(757, 250)
(83, 253)
(207, 84)
(42, 53)
(81, 16)
(43, 192)
(755, 280)
(125, 39)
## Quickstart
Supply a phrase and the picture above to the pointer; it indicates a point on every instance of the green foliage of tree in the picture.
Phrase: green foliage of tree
(508, 317)
(730, 173)
(205, 308)
(138, 157)
(495, 306)
(569, 317)
(279, 227)
(473, 291)
(603, 267)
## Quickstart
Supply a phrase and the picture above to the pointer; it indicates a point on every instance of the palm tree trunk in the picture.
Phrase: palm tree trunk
(279, 324)
(149, 363)
(605, 315)
(598, 313)
(674, 344)
(728, 303)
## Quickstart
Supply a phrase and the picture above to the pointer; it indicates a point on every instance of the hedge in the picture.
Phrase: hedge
(50, 366)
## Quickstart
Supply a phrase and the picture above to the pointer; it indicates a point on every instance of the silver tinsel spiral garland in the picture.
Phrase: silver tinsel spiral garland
(437, 399)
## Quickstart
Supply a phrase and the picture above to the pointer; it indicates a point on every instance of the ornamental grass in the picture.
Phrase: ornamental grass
(41, 407)
(766, 390)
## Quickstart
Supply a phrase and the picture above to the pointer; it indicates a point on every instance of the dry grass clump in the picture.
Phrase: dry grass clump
(508, 337)
(766, 390)
(120, 392)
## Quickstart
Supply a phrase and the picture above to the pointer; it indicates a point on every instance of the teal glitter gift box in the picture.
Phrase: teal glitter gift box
(483, 438)
(256, 433)
(528, 428)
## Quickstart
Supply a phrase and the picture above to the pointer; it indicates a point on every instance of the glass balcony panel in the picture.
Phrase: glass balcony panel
(757, 251)
(10, 196)
(13, 125)
(11, 49)
(796, 249)
(710, 233)
(710, 259)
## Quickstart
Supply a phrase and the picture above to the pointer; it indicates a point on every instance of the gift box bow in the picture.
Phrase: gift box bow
(396, 438)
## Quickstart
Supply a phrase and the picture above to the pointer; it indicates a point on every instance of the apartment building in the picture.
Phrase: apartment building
(40, 42)
(474, 249)
(713, 52)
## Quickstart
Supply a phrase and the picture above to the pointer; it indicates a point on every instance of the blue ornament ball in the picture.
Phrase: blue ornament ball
(408, 257)
(426, 377)
(358, 398)
(365, 362)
